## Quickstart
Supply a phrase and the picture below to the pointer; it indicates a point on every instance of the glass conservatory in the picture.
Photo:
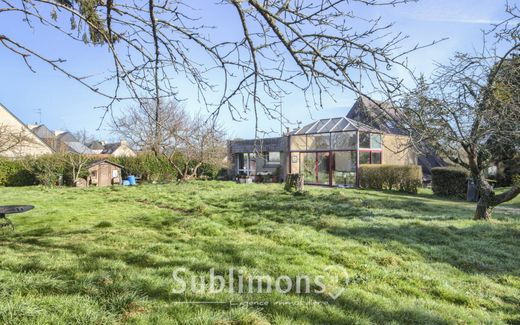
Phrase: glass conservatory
(329, 151)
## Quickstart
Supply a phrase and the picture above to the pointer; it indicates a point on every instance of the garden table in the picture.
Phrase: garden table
(10, 209)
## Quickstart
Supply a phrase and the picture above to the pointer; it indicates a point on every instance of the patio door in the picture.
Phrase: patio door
(315, 167)
(323, 168)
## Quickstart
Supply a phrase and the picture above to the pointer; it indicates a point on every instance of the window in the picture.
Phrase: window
(375, 158)
(375, 141)
(318, 142)
(273, 157)
(364, 140)
(344, 140)
(298, 142)
(246, 163)
(369, 140)
(364, 157)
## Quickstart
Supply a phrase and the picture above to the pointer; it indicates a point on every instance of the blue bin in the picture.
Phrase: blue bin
(132, 181)
(126, 183)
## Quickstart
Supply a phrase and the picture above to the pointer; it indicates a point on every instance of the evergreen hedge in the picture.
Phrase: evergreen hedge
(48, 169)
(391, 177)
(450, 181)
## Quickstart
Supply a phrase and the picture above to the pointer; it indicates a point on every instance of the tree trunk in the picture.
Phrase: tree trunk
(484, 210)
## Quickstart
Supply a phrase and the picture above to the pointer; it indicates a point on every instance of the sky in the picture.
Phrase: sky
(65, 104)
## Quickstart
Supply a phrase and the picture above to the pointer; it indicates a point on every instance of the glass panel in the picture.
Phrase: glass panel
(308, 167)
(273, 157)
(375, 141)
(376, 158)
(318, 142)
(252, 164)
(341, 125)
(344, 167)
(323, 168)
(298, 142)
(364, 157)
(295, 162)
(364, 140)
(344, 140)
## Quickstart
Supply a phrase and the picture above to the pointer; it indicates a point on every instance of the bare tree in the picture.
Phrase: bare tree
(198, 142)
(77, 163)
(13, 139)
(470, 111)
(83, 136)
(311, 46)
(186, 142)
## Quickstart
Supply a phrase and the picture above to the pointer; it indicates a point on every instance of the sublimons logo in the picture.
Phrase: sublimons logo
(332, 282)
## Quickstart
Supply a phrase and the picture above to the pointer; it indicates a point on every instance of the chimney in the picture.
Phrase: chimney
(123, 143)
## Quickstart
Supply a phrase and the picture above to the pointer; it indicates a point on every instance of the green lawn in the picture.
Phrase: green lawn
(96, 256)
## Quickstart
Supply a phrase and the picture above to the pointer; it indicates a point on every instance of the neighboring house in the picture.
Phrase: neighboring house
(118, 149)
(327, 152)
(77, 147)
(44, 133)
(63, 138)
(96, 146)
(33, 146)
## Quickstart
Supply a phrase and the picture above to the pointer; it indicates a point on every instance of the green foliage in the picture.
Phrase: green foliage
(507, 170)
(450, 181)
(149, 167)
(406, 179)
(158, 169)
(13, 173)
(47, 169)
(516, 180)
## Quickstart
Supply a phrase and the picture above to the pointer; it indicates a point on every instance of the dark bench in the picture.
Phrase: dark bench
(10, 209)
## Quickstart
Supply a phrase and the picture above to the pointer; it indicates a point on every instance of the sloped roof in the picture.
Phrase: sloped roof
(96, 145)
(65, 136)
(42, 131)
(100, 161)
(79, 147)
(110, 148)
(337, 124)
(378, 114)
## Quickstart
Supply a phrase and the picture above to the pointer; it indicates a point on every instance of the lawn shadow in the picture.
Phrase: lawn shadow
(481, 248)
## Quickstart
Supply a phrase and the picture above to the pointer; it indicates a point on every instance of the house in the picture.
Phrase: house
(96, 146)
(249, 157)
(327, 152)
(17, 139)
(118, 149)
(44, 133)
(104, 173)
(382, 116)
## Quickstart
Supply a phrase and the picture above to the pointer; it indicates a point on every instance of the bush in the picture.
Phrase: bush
(13, 173)
(450, 181)
(391, 177)
(149, 167)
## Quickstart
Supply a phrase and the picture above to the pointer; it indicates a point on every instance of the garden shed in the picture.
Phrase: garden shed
(104, 173)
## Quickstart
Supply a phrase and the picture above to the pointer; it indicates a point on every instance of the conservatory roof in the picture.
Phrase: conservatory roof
(337, 124)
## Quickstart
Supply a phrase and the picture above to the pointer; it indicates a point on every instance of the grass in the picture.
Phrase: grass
(104, 256)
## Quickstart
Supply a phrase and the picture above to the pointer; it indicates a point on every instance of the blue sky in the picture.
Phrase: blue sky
(65, 104)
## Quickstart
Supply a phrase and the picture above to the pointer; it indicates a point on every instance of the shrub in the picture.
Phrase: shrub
(391, 177)
(450, 181)
(149, 167)
(47, 169)
(13, 173)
